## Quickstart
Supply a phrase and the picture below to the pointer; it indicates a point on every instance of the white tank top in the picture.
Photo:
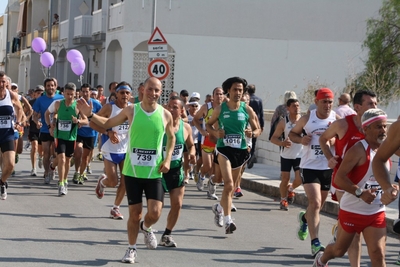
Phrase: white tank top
(313, 158)
(122, 131)
(365, 179)
(295, 150)
(195, 131)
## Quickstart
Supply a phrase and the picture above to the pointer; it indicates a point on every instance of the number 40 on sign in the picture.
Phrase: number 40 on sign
(158, 68)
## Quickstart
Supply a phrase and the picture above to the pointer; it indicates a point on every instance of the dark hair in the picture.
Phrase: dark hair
(99, 86)
(93, 89)
(123, 83)
(251, 88)
(184, 93)
(2, 74)
(50, 79)
(290, 101)
(357, 99)
(109, 86)
(85, 85)
(177, 98)
(228, 83)
(216, 88)
(316, 92)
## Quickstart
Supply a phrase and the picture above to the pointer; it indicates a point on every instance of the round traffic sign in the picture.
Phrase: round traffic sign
(158, 68)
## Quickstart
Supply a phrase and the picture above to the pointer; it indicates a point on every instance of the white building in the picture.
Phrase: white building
(278, 45)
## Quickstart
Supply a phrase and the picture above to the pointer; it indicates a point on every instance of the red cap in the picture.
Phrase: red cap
(324, 93)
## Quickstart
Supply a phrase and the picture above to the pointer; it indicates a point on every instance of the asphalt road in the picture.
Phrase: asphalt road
(38, 228)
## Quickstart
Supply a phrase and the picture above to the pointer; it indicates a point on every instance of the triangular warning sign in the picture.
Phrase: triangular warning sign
(157, 37)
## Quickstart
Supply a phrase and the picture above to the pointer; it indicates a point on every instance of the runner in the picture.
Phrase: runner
(10, 108)
(291, 153)
(315, 173)
(33, 135)
(232, 117)
(115, 144)
(85, 140)
(173, 180)
(40, 107)
(361, 210)
(208, 141)
(347, 131)
(64, 128)
(148, 124)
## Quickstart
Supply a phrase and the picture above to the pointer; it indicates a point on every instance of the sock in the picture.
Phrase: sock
(283, 198)
(220, 208)
(167, 232)
(211, 181)
(132, 246)
(144, 228)
(290, 188)
(227, 219)
(115, 207)
(303, 218)
(315, 242)
(51, 166)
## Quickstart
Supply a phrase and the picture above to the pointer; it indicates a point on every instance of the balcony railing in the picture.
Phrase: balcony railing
(116, 19)
(98, 22)
(64, 30)
(83, 26)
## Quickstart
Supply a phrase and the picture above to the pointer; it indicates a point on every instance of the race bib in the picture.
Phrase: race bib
(5, 122)
(176, 154)
(123, 128)
(144, 157)
(316, 152)
(233, 140)
(64, 126)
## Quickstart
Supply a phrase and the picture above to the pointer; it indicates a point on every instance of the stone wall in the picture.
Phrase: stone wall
(268, 153)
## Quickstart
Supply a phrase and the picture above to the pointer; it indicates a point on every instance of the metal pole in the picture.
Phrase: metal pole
(7, 39)
(49, 29)
(154, 15)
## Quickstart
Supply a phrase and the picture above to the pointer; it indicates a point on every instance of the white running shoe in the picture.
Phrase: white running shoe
(130, 256)
(218, 216)
(33, 172)
(212, 188)
(150, 238)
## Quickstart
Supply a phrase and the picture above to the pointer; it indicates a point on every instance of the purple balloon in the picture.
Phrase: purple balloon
(73, 54)
(47, 59)
(78, 66)
(38, 45)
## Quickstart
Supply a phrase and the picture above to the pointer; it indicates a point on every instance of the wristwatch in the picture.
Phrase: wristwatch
(359, 192)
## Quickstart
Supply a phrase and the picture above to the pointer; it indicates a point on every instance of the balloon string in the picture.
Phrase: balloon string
(80, 79)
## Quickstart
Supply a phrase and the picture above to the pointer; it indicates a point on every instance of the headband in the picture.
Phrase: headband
(373, 119)
(123, 87)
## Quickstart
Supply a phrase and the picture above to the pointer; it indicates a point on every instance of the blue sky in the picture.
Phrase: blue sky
(3, 5)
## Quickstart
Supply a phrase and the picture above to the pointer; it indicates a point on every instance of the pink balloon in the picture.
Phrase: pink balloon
(73, 54)
(47, 59)
(78, 66)
(38, 45)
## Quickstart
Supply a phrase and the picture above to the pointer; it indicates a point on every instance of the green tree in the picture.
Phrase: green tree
(381, 74)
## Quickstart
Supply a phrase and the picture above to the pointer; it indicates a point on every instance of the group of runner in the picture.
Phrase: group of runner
(327, 145)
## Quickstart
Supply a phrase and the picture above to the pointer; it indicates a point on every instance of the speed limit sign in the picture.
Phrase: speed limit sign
(158, 68)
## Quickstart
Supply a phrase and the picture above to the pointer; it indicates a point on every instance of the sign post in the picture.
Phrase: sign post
(157, 45)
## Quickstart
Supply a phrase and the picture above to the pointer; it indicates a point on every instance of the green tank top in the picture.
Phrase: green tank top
(234, 123)
(145, 144)
(177, 154)
(65, 128)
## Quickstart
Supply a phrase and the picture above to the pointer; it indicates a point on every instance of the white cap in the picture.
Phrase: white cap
(195, 95)
(14, 84)
(193, 103)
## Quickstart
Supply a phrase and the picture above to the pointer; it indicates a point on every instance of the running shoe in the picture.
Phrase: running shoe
(230, 227)
(200, 183)
(211, 189)
(33, 172)
(84, 175)
(81, 179)
(317, 262)
(233, 208)
(334, 231)
(47, 178)
(191, 177)
(302, 232)
(72, 161)
(218, 216)
(130, 256)
(75, 179)
(290, 196)
(398, 260)
(66, 186)
(3, 190)
(40, 162)
(100, 188)
(167, 241)
(61, 189)
(149, 237)
(284, 205)
(88, 169)
(238, 192)
(100, 157)
(116, 214)
(52, 174)
(316, 247)
(16, 158)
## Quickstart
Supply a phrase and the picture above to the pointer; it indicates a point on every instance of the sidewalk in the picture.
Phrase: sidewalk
(265, 180)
